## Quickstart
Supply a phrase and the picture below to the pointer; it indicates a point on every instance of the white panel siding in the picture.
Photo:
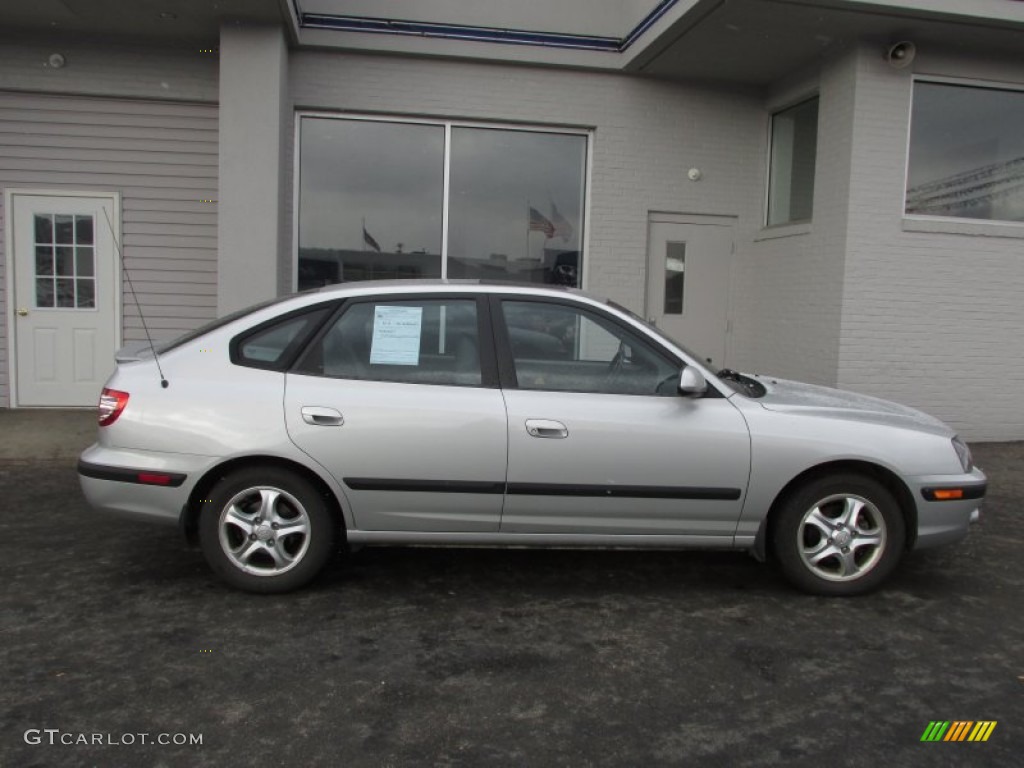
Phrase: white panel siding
(162, 158)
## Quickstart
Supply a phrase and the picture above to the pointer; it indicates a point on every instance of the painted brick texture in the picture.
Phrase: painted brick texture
(931, 319)
(788, 281)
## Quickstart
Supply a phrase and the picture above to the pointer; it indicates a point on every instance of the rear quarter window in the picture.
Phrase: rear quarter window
(274, 344)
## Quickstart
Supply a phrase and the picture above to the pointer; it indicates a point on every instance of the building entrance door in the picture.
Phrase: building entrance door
(64, 300)
(688, 260)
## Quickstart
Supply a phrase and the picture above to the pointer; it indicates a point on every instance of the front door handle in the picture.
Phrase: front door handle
(319, 416)
(546, 428)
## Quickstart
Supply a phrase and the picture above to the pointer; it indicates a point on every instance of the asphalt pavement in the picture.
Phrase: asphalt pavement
(115, 634)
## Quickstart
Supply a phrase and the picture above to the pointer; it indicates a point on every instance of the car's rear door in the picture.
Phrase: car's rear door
(600, 441)
(398, 399)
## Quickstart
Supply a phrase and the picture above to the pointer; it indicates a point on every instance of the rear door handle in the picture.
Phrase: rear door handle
(546, 428)
(319, 416)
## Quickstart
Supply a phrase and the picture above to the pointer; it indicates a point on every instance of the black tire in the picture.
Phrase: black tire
(822, 553)
(267, 530)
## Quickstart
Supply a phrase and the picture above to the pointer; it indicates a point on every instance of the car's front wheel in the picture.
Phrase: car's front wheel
(266, 529)
(839, 535)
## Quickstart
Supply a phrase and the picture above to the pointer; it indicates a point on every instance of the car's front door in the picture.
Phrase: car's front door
(398, 399)
(600, 441)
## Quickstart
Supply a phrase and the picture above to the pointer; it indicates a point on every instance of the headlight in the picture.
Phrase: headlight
(963, 453)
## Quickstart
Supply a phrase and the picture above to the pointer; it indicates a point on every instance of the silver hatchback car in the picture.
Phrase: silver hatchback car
(456, 413)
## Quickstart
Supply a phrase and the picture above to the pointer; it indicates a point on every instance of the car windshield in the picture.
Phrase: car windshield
(737, 382)
(659, 333)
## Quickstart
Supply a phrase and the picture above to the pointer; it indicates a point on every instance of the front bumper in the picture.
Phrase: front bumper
(945, 520)
(142, 485)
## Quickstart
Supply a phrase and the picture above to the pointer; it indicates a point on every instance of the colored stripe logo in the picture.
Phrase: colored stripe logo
(958, 730)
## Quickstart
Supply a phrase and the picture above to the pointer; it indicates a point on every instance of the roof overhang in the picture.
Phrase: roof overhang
(751, 42)
(741, 41)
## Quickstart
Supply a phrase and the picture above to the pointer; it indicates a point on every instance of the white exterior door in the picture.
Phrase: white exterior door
(64, 305)
(688, 280)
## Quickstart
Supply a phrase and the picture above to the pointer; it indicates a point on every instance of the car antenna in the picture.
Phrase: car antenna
(128, 277)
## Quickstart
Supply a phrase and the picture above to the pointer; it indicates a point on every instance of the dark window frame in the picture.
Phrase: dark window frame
(606, 320)
(295, 346)
(489, 377)
(772, 171)
(450, 125)
(953, 217)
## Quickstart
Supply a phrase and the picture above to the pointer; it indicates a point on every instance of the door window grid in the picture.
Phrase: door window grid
(65, 261)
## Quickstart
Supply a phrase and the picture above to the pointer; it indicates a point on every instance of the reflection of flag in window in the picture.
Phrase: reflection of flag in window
(562, 227)
(540, 223)
(368, 239)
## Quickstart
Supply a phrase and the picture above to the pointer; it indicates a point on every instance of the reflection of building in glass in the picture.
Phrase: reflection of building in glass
(323, 266)
(556, 267)
(993, 191)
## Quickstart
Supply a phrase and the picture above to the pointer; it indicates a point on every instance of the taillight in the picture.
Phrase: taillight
(112, 402)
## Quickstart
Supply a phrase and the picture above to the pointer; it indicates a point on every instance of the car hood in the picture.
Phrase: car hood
(825, 402)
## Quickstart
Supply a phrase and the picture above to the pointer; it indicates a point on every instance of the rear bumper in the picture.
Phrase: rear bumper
(945, 521)
(139, 484)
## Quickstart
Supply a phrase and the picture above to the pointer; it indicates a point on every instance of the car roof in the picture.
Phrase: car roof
(439, 285)
(436, 284)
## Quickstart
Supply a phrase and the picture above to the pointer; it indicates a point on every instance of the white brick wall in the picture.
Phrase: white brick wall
(931, 319)
(788, 282)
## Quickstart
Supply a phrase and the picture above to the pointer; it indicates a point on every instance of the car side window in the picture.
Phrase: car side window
(270, 345)
(404, 341)
(568, 349)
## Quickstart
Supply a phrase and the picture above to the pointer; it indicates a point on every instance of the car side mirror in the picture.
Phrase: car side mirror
(692, 382)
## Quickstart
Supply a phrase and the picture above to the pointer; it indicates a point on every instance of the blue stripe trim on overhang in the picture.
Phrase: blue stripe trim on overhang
(481, 34)
(648, 21)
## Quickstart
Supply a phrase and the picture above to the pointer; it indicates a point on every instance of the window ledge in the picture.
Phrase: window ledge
(783, 230)
(964, 227)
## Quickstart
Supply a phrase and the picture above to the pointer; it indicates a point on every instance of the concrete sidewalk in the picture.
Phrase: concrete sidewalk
(45, 434)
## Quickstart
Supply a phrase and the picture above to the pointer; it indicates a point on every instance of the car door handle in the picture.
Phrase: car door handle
(546, 428)
(319, 416)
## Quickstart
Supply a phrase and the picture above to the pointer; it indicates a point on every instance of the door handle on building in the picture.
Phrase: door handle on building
(21, 312)
(319, 416)
(546, 428)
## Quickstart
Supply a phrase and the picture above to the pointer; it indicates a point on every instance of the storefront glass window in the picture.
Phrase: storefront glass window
(372, 202)
(791, 173)
(966, 152)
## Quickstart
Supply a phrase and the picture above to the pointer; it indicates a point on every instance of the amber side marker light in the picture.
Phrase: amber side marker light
(948, 494)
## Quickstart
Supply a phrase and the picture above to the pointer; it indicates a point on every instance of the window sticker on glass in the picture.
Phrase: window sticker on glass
(396, 336)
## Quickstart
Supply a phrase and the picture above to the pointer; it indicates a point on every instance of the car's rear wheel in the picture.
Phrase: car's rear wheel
(839, 535)
(266, 529)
